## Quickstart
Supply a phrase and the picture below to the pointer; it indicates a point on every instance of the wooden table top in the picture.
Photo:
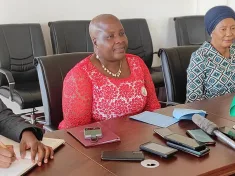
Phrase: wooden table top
(218, 106)
(221, 159)
(69, 162)
(74, 159)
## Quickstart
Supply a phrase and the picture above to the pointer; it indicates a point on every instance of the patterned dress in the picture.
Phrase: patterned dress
(209, 74)
(89, 95)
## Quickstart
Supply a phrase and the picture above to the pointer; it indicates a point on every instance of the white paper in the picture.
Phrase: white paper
(20, 166)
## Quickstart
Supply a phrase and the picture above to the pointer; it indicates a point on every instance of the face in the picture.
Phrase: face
(224, 33)
(111, 42)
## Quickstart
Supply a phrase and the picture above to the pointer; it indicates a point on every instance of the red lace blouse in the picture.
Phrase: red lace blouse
(89, 95)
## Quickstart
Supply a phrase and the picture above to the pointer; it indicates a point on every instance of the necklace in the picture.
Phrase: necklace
(113, 74)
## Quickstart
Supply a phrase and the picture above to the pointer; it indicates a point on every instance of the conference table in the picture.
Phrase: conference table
(218, 106)
(74, 159)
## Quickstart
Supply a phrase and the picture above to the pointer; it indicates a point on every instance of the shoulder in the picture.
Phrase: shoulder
(233, 48)
(79, 69)
(200, 55)
(133, 59)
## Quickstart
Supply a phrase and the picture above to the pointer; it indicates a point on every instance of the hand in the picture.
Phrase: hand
(29, 141)
(7, 156)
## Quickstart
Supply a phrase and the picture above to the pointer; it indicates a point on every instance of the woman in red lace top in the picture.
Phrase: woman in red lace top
(109, 83)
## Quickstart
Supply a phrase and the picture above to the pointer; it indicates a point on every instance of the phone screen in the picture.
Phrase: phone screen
(89, 132)
(228, 131)
(159, 148)
(200, 136)
(163, 132)
(183, 140)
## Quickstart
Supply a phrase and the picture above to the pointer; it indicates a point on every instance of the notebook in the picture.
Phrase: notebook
(186, 114)
(154, 118)
(21, 166)
(107, 135)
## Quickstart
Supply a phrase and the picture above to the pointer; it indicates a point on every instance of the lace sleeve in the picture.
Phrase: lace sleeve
(152, 101)
(76, 99)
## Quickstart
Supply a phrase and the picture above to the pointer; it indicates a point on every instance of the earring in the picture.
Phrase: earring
(97, 56)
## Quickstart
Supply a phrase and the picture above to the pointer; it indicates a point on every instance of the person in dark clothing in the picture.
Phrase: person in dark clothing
(29, 136)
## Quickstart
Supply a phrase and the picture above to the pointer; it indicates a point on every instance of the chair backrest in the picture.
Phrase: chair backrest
(73, 36)
(19, 44)
(190, 30)
(51, 72)
(175, 62)
(139, 39)
(70, 36)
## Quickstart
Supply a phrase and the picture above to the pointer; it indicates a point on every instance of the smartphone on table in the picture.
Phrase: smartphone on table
(180, 139)
(163, 132)
(157, 149)
(188, 150)
(122, 155)
(186, 142)
(201, 136)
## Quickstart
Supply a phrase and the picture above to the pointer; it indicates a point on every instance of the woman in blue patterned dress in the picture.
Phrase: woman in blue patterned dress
(211, 71)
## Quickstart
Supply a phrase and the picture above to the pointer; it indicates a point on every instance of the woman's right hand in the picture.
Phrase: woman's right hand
(7, 156)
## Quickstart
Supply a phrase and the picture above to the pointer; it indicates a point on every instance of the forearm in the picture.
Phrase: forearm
(12, 125)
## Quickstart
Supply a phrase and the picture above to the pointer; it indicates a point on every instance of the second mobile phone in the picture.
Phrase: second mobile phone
(185, 141)
(158, 149)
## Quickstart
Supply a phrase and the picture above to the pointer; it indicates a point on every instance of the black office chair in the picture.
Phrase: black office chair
(51, 72)
(73, 36)
(140, 44)
(190, 30)
(19, 44)
(175, 62)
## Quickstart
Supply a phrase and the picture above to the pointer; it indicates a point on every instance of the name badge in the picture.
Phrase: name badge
(144, 91)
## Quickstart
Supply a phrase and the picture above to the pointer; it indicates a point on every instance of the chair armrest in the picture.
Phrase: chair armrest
(10, 80)
(169, 103)
(49, 128)
(155, 52)
(158, 67)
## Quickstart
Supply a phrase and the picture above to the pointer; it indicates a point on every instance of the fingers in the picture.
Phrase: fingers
(44, 153)
(4, 165)
(51, 153)
(34, 150)
(47, 154)
(6, 159)
(6, 152)
(22, 149)
(41, 153)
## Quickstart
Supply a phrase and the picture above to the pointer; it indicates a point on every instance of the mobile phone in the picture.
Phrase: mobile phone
(185, 141)
(200, 136)
(228, 132)
(163, 132)
(122, 155)
(92, 133)
(190, 151)
(158, 149)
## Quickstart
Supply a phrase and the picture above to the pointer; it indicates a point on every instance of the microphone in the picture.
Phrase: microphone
(211, 129)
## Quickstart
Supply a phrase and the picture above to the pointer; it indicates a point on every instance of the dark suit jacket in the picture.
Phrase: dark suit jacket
(12, 126)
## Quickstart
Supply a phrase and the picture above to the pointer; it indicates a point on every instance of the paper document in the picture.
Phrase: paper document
(186, 114)
(21, 166)
(154, 118)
